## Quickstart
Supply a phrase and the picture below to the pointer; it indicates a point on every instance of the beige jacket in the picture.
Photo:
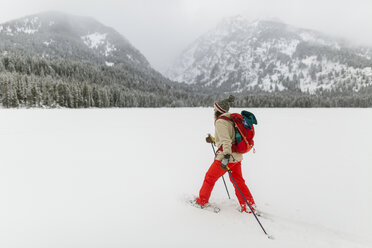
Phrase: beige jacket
(225, 137)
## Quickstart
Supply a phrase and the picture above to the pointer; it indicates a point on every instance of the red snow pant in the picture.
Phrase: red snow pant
(215, 172)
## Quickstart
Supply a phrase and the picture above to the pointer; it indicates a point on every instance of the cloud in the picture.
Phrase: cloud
(161, 29)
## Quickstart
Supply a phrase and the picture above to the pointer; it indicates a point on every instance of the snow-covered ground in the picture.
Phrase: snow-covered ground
(120, 177)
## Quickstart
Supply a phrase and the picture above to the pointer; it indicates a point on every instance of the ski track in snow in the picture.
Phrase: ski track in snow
(92, 178)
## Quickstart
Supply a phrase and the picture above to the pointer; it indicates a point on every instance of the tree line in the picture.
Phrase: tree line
(37, 82)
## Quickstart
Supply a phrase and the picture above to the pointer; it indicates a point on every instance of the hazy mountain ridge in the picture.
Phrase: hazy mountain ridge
(58, 60)
(55, 35)
(244, 56)
(55, 59)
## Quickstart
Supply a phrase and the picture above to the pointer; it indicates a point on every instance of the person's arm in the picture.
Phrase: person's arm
(222, 129)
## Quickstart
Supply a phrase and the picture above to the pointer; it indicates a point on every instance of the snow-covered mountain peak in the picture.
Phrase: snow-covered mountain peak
(241, 55)
(59, 35)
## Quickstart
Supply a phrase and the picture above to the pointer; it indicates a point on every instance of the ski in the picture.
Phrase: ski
(209, 207)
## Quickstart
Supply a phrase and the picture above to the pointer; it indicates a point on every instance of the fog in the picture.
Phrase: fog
(161, 29)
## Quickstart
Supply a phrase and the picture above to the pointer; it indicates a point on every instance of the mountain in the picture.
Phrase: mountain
(54, 59)
(60, 60)
(269, 56)
(55, 35)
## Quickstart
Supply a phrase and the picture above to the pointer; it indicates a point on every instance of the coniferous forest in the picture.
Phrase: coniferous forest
(53, 60)
(36, 82)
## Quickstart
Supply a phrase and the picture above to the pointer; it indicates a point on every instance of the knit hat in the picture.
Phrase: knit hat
(223, 106)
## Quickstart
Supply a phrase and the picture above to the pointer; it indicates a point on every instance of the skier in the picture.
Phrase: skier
(225, 158)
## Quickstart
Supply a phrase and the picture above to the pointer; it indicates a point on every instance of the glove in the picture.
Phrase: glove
(210, 139)
(225, 161)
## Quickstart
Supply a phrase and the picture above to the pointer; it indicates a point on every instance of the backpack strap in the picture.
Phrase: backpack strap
(242, 134)
(223, 117)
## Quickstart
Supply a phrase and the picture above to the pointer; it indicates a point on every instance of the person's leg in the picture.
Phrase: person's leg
(214, 172)
(236, 173)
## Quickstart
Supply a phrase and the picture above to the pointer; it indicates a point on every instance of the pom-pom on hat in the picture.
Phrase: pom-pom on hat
(223, 106)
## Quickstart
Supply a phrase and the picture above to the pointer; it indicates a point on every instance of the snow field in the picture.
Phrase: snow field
(120, 178)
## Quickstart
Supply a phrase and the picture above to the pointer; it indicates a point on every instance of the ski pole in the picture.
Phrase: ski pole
(222, 176)
(263, 229)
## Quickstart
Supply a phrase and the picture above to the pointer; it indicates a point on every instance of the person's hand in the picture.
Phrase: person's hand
(210, 139)
(225, 161)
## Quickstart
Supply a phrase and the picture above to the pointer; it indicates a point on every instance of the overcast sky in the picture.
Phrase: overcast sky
(161, 29)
